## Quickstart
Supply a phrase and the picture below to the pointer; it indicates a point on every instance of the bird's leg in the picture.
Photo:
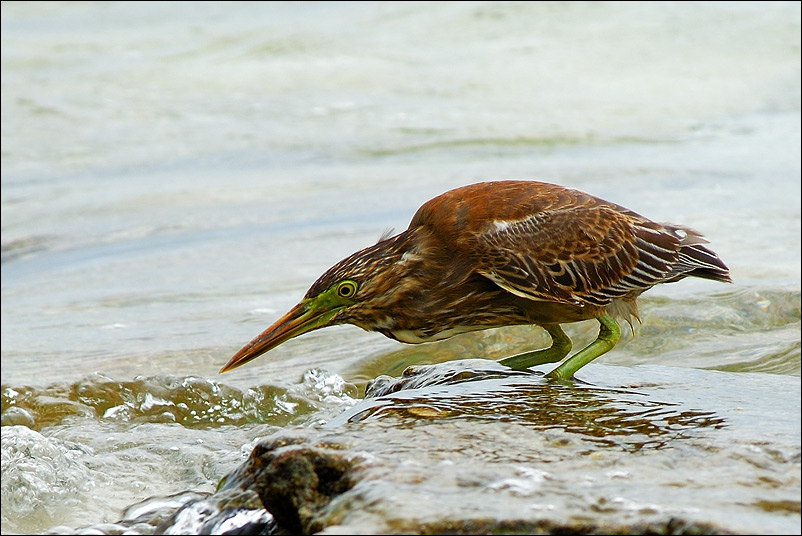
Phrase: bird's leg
(609, 333)
(560, 346)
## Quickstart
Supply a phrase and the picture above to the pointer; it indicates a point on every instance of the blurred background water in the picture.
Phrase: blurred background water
(175, 175)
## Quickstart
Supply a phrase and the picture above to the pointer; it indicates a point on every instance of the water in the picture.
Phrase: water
(175, 176)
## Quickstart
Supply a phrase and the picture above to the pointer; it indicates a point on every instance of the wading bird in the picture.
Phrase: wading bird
(497, 254)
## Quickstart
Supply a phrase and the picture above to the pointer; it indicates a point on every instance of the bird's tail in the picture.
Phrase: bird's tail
(695, 259)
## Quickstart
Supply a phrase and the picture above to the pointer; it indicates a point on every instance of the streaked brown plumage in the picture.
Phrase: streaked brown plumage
(501, 253)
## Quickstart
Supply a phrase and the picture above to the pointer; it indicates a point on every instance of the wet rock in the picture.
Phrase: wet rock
(496, 526)
(226, 512)
(295, 481)
(306, 487)
(453, 372)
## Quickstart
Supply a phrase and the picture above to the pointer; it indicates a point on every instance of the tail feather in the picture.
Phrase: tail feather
(707, 264)
(695, 259)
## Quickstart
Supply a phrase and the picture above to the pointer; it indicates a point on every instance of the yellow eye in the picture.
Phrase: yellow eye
(346, 289)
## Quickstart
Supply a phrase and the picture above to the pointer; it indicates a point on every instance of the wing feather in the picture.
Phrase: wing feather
(585, 254)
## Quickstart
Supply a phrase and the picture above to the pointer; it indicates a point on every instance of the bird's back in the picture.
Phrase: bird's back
(545, 242)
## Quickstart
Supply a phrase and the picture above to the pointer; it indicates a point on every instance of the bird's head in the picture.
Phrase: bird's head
(354, 290)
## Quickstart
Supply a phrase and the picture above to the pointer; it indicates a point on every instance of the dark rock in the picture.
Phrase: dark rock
(294, 481)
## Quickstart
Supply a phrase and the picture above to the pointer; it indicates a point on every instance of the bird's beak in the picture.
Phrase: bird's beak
(301, 319)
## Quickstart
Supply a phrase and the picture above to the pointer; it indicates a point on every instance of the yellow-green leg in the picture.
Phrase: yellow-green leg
(560, 346)
(609, 333)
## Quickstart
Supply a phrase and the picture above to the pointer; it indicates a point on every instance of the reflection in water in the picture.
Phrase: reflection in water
(485, 390)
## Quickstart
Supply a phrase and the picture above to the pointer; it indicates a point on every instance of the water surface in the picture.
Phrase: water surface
(175, 176)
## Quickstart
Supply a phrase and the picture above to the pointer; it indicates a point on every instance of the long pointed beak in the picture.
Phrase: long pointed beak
(299, 320)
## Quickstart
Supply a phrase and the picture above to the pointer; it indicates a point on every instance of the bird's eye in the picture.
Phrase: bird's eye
(346, 289)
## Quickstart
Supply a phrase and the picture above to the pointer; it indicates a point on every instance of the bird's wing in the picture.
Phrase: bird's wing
(579, 255)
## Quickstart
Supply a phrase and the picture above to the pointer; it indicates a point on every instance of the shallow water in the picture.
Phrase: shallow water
(174, 178)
